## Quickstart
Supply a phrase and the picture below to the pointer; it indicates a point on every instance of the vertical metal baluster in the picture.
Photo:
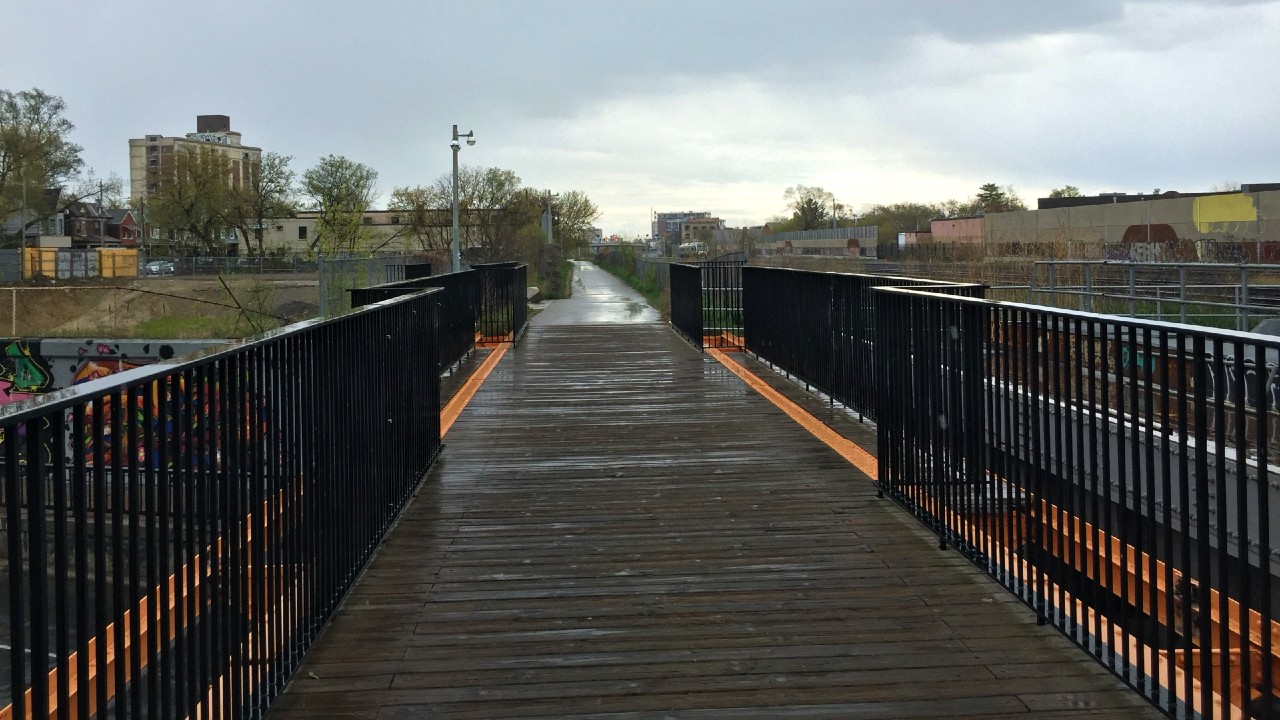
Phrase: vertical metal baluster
(62, 568)
(1265, 390)
(1166, 700)
(17, 599)
(1203, 576)
(1219, 575)
(119, 569)
(163, 478)
(102, 605)
(155, 592)
(38, 568)
(135, 592)
(1243, 572)
(80, 506)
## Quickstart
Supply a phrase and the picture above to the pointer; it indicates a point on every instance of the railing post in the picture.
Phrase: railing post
(1242, 313)
(1087, 301)
(1182, 294)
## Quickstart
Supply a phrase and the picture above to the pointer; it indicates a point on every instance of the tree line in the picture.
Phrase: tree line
(813, 208)
(200, 198)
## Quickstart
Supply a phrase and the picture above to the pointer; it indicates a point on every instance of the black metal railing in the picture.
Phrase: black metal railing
(820, 327)
(504, 305)
(686, 301)
(487, 302)
(706, 302)
(458, 302)
(722, 303)
(1114, 474)
(177, 535)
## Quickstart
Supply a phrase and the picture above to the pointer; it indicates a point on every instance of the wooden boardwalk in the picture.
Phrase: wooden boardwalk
(619, 527)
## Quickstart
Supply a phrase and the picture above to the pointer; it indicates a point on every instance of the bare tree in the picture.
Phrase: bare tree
(425, 216)
(809, 207)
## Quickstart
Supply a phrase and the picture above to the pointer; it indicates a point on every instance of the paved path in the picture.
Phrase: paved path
(598, 297)
(620, 528)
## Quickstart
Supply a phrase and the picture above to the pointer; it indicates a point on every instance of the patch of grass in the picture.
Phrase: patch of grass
(194, 327)
(566, 283)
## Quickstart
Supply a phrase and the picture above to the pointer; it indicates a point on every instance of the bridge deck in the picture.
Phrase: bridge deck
(620, 527)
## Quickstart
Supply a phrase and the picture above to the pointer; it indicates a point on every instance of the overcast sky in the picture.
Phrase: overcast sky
(686, 104)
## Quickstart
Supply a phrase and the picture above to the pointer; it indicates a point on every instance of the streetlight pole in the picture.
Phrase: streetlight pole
(22, 224)
(455, 246)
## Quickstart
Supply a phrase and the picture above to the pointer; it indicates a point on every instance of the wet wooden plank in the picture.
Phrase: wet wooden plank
(619, 527)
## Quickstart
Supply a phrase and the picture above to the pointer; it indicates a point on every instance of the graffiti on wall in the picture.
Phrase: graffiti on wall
(1229, 221)
(30, 367)
(23, 374)
(159, 422)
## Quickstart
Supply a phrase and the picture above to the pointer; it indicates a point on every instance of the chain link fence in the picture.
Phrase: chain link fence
(338, 275)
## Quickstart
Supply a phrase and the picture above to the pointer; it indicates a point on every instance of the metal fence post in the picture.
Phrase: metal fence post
(1242, 311)
(1182, 294)
(1087, 300)
(1133, 292)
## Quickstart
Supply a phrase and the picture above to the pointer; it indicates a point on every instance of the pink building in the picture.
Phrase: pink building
(957, 230)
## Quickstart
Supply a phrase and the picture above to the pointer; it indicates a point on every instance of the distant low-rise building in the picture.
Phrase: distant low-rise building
(666, 223)
(700, 228)
(388, 231)
(957, 230)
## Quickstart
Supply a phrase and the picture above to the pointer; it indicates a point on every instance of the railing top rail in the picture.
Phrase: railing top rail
(1163, 265)
(894, 278)
(65, 398)
(415, 283)
(1207, 332)
(511, 264)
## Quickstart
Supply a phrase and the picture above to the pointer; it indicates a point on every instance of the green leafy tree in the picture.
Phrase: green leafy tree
(36, 154)
(267, 192)
(575, 213)
(192, 200)
(993, 198)
(1066, 191)
(898, 218)
(341, 191)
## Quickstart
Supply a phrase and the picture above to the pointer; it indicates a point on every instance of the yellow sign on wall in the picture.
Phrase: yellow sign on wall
(1223, 213)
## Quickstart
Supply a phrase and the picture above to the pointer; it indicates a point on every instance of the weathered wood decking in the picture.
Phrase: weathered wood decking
(619, 527)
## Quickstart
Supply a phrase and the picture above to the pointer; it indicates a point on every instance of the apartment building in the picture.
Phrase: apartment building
(150, 155)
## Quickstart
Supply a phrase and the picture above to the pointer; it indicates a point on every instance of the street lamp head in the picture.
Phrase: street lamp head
(471, 139)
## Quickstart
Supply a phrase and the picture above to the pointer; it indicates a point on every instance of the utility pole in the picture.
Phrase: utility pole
(22, 222)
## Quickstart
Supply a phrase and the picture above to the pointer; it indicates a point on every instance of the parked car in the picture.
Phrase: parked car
(159, 267)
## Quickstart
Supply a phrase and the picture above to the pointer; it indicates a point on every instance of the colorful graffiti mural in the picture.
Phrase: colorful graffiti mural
(22, 373)
(30, 367)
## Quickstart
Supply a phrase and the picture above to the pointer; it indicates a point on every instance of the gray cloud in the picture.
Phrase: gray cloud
(680, 104)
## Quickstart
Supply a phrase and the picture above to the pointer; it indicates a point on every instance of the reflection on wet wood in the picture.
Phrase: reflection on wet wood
(618, 524)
